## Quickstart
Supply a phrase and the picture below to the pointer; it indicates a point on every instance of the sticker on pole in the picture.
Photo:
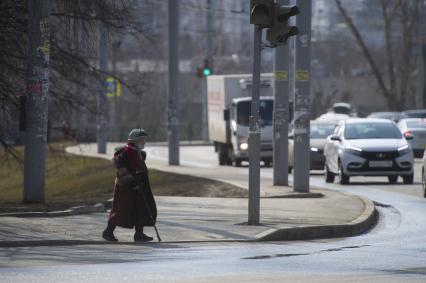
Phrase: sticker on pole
(281, 76)
(113, 87)
(302, 75)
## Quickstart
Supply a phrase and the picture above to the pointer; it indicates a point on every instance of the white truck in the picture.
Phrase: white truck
(229, 107)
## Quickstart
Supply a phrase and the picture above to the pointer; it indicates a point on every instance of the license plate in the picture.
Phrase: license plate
(381, 163)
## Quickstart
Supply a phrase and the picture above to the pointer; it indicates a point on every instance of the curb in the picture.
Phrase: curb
(296, 195)
(76, 210)
(356, 227)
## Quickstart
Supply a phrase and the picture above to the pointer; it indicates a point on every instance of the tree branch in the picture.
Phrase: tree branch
(367, 54)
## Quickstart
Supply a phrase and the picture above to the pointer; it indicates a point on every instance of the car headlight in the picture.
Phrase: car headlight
(404, 149)
(314, 149)
(244, 146)
(353, 150)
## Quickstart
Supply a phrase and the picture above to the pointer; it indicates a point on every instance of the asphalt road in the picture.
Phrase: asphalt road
(393, 251)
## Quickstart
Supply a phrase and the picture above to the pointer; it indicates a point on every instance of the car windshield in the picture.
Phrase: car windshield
(321, 131)
(415, 114)
(372, 131)
(416, 124)
(342, 110)
(265, 112)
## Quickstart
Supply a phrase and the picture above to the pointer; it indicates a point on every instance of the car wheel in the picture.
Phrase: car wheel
(343, 178)
(392, 179)
(408, 179)
(424, 182)
(237, 162)
(329, 176)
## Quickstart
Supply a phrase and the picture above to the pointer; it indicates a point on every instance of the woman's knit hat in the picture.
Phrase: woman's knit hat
(136, 135)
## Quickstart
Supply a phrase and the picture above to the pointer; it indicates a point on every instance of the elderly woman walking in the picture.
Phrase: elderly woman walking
(133, 204)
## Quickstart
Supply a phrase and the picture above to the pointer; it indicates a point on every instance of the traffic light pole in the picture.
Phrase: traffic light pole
(101, 132)
(173, 111)
(207, 48)
(281, 94)
(36, 100)
(302, 99)
(254, 134)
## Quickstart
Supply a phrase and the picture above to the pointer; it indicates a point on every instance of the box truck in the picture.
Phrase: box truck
(229, 108)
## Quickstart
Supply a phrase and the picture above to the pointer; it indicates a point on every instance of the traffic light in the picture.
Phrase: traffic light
(280, 31)
(261, 12)
(207, 71)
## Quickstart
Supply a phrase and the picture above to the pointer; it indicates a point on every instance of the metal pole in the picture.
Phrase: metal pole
(82, 87)
(280, 148)
(302, 99)
(420, 58)
(113, 100)
(37, 100)
(254, 134)
(173, 113)
(207, 48)
(292, 66)
(102, 101)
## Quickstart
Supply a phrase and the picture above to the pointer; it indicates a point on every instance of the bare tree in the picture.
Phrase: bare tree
(399, 21)
(69, 18)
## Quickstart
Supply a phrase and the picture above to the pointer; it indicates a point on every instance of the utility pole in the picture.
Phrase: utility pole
(173, 111)
(281, 94)
(113, 101)
(254, 133)
(207, 48)
(82, 87)
(420, 89)
(102, 101)
(292, 69)
(37, 100)
(302, 98)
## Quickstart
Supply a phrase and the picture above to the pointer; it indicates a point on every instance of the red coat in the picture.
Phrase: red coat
(128, 206)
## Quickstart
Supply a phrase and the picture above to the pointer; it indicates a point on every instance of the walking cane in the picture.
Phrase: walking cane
(149, 212)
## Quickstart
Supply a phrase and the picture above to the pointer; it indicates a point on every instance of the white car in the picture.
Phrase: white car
(368, 147)
(424, 174)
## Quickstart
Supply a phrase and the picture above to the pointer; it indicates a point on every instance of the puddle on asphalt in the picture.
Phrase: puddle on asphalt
(302, 254)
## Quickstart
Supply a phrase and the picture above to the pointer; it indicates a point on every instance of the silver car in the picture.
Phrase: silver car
(416, 128)
(368, 147)
(319, 131)
(416, 113)
(424, 174)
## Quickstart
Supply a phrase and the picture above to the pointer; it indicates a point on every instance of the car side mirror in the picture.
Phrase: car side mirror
(335, 138)
(226, 114)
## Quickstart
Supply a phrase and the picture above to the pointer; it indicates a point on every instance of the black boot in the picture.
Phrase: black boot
(140, 236)
(108, 233)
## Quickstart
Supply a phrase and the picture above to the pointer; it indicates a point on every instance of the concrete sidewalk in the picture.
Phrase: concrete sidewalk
(206, 219)
(285, 215)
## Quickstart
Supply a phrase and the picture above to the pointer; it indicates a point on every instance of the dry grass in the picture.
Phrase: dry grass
(74, 180)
